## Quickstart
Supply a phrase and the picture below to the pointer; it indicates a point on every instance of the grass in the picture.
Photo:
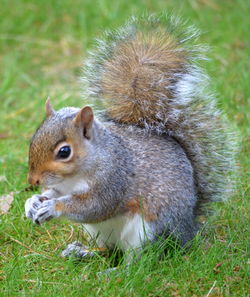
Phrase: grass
(42, 46)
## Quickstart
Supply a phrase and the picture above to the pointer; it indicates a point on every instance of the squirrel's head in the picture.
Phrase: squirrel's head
(60, 144)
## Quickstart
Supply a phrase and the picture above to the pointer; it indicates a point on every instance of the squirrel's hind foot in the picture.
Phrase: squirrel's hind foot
(78, 250)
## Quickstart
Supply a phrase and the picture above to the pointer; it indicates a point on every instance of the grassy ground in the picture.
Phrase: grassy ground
(42, 45)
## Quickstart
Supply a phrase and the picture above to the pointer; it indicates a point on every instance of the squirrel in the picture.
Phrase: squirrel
(159, 152)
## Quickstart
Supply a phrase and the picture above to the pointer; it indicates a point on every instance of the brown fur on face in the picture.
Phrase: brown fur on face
(49, 164)
(42, 154)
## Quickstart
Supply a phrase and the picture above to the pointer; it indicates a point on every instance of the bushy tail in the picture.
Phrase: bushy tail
(147, 74)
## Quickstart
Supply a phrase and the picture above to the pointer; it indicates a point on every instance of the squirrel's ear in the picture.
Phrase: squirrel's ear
(48, 107)
(85, 119)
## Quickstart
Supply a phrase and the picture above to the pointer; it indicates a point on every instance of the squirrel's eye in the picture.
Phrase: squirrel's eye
(64, 152)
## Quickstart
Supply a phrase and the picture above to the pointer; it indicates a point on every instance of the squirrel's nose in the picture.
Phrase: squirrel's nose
(33, 180)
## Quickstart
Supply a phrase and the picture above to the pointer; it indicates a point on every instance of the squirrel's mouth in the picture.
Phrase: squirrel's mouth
(50, 180)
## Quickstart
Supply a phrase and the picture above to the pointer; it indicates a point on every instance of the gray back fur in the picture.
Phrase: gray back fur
(181, 104)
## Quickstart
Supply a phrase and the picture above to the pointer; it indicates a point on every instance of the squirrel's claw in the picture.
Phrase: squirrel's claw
(32, 205)
(45, 213)
(77, 250)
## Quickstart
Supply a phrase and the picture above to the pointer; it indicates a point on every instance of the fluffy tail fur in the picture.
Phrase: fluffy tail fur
(147, 74)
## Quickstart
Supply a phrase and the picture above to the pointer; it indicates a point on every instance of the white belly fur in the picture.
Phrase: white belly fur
(124, 231)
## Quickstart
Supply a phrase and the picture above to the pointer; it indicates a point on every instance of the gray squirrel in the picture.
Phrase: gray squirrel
(159, 153)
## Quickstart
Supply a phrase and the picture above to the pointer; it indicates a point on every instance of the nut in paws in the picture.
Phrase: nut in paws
(45, 212)
(33, 204)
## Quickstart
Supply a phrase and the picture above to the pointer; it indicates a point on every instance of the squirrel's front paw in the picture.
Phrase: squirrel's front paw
(33, 204)
(45, 212)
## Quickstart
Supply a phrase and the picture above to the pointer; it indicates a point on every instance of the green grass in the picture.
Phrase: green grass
(42, 46)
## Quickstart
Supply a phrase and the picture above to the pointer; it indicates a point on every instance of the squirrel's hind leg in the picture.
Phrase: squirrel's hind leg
(78, 250)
